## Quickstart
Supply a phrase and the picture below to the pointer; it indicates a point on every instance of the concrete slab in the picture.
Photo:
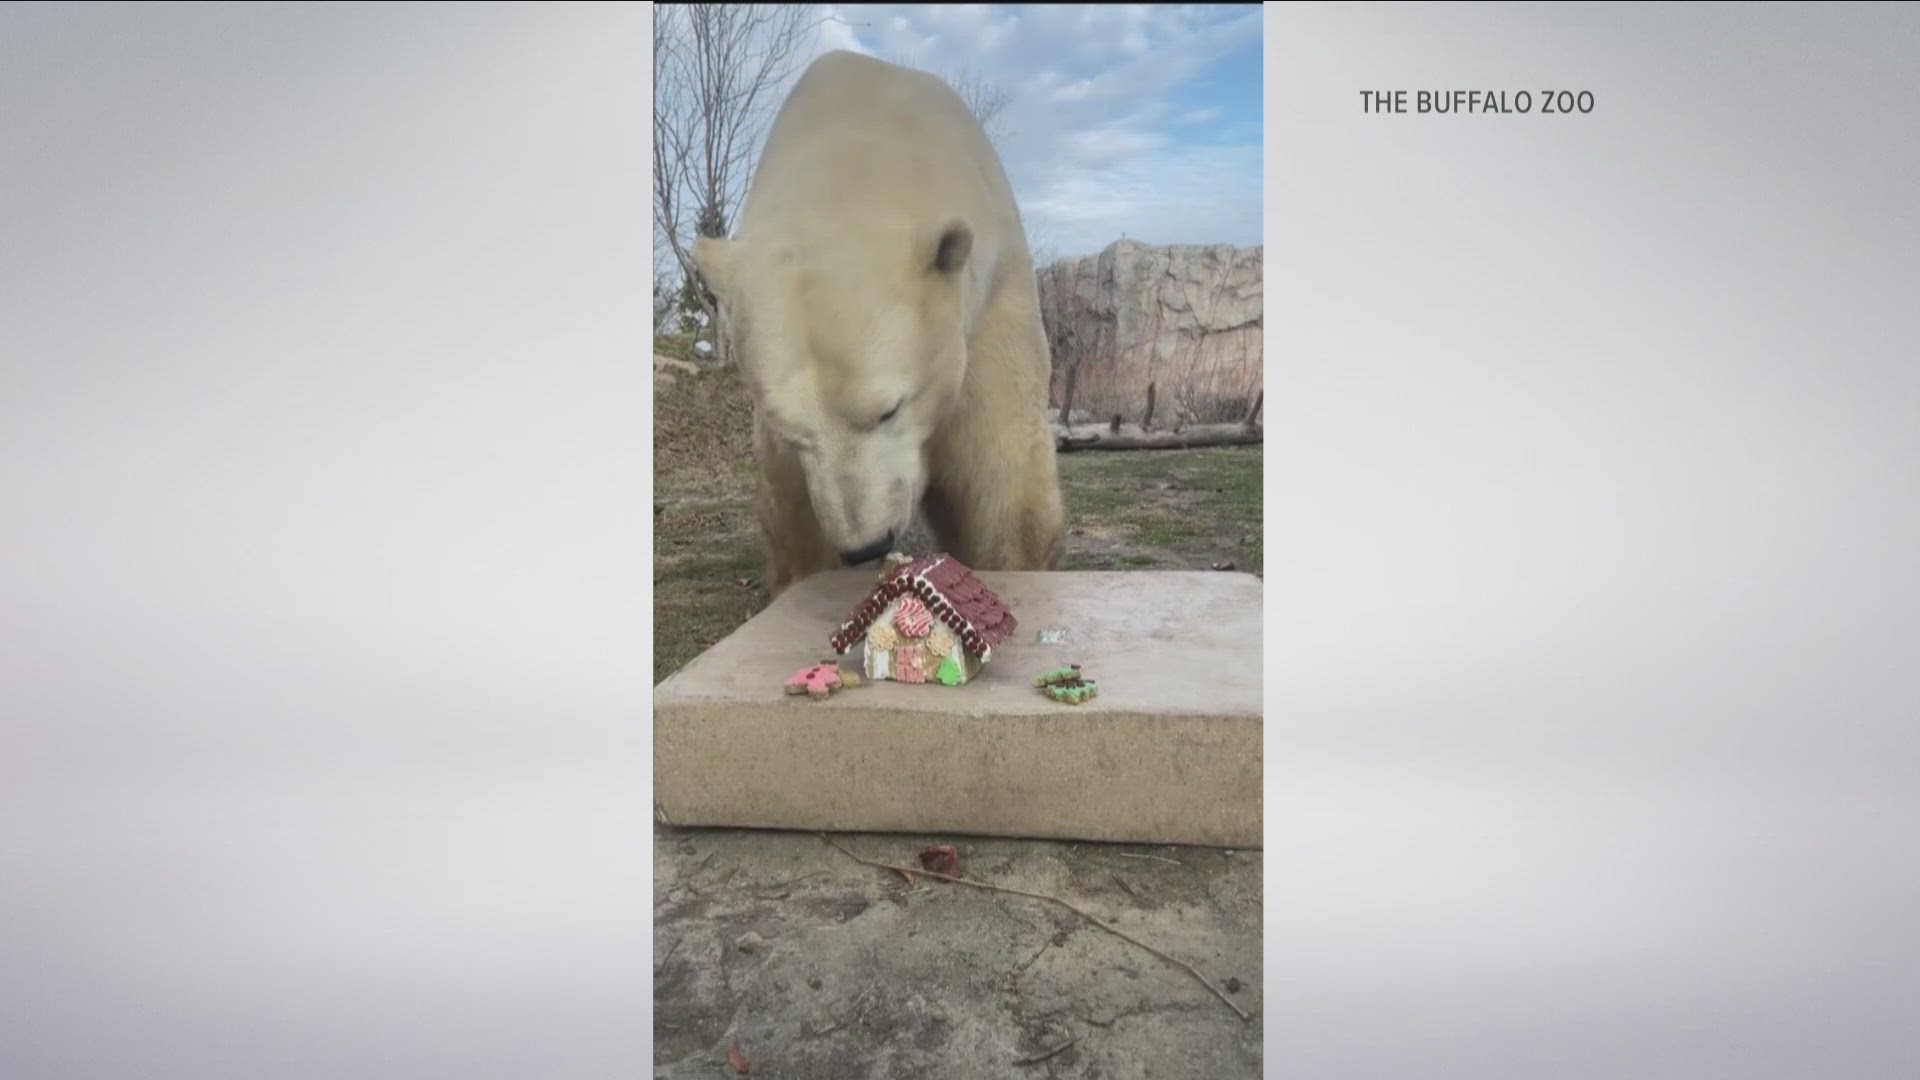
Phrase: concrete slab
(1170, 752)
(819, 968)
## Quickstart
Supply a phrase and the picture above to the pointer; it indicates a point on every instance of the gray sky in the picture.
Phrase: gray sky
(323, 568)
(1593, 444)
(1141, 119)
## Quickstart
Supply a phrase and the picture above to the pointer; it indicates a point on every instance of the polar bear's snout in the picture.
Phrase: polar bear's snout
(863, 491)
(869, 553)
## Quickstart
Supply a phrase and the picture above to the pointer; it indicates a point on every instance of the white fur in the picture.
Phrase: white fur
(838, 311)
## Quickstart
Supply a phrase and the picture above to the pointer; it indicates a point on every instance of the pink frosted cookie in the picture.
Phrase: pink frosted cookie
(817, 681)
(910, 664)
(913, 618)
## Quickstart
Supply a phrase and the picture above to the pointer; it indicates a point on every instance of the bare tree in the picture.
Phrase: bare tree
(1040, 244)
(662, 306)
(716, 68)
(1075, 341)
(986, 100)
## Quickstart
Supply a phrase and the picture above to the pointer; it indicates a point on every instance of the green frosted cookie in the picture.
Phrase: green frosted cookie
(1068, 685)
(1068, 674)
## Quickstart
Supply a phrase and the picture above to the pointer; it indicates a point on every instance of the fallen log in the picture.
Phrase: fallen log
(1133, 437)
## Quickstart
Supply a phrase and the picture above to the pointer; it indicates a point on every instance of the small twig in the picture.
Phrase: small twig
(1022, 969)
(1155, 858)
(661, 966)
(1095, 920)
(780, 890)
(1038, 1058)
(840, 1023)
(1128, 889)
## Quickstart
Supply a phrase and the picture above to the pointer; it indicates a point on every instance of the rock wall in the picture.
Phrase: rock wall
(1186, 318)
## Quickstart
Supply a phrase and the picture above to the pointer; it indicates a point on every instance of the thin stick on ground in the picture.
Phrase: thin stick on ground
(1094, 919)
(1055, 1052)
(657, 968)
(1155, 858)
(857, 1011)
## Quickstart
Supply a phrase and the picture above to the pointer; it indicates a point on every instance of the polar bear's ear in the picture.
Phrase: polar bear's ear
(955, 244)
(713, 257)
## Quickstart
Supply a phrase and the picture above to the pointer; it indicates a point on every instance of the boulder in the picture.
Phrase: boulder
(1186, 318)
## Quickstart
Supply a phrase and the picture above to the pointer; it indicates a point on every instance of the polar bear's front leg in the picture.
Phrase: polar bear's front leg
(1002, 530)
(993, 491)
(994, 500)
(790, 533)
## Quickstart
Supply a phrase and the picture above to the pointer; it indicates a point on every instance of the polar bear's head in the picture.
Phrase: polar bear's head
(852, 342)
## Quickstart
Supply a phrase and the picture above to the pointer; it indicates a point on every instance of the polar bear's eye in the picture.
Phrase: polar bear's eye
(893, 412)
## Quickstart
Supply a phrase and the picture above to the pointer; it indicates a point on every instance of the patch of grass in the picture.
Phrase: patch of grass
(1163, 530)
(1186, 509)
(1126, 510)
(729, 565)
(1096, 501)
(677, 346)
(685, 625)
(1090, 560)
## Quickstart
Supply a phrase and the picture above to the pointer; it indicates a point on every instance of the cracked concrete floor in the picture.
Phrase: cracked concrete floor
(819, 968)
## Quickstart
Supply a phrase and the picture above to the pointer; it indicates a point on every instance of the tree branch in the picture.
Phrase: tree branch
(1095, 920)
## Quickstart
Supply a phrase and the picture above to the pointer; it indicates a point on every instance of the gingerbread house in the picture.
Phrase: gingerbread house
(929, 620)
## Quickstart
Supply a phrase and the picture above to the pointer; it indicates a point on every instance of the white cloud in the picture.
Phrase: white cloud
(1173, 195)
(836, 34)
(1094, 137)
(1111, 143)
(997, 34)
(1093, 141)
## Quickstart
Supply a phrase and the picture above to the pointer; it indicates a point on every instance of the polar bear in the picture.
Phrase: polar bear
(881, 303)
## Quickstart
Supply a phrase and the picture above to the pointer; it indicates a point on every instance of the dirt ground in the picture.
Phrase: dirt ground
(815, 967)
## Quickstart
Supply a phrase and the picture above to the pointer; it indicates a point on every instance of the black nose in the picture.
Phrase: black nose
(869, 553)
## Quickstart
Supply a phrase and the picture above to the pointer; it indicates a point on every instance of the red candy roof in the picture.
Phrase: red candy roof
(951, 593)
